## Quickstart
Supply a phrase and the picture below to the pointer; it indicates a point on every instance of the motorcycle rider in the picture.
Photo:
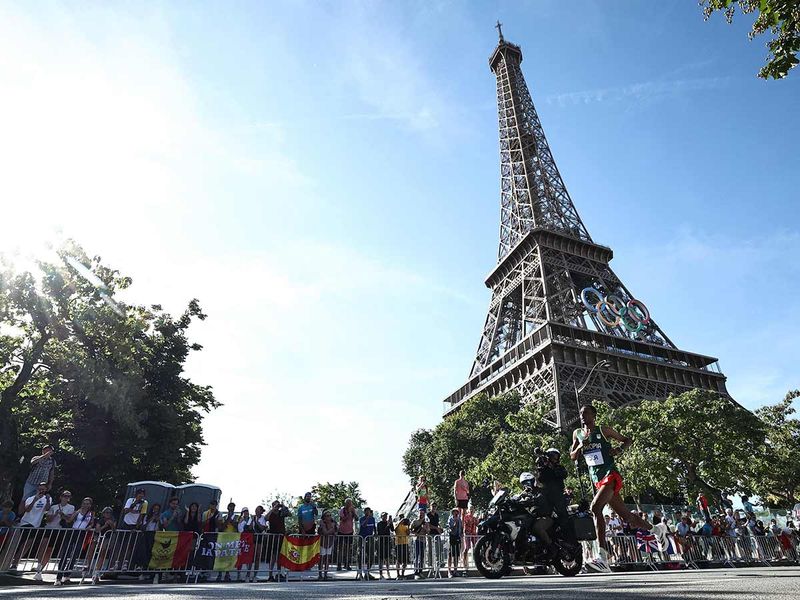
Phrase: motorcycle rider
(551, 476)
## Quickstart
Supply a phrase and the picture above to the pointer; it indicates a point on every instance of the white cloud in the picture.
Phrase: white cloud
(730, 297)
(387, 72)
(645, 91)
(300, 348)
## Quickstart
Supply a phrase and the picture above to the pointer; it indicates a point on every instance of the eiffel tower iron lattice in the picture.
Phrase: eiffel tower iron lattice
(557, 308)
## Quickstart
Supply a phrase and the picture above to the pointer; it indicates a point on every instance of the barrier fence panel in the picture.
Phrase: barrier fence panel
(623, 551)
(266, 554)
(455, 554)
(174, 556)
(46, 550)
(407, 556)
(425, 555)
(163, 555)
(346, 548)
(780, 548)
(20, 550)
(234, 556)
(470, 541)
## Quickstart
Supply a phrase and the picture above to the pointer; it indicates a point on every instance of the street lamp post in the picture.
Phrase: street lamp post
(603, 364)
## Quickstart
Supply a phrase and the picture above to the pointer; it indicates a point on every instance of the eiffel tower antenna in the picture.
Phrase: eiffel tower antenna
(499, 28)
(557, 309)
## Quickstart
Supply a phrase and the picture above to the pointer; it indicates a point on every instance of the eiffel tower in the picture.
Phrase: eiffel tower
(558, 312)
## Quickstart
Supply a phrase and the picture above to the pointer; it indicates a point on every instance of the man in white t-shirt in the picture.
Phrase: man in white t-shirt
(32, 510)
(614, 524)
(660, 530)
(134, 511)
(52, 522)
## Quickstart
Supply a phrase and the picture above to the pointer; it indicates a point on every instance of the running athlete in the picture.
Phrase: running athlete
(592, 442)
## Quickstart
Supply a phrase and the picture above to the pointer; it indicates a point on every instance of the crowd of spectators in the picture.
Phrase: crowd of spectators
(686, 526)
(381, 540)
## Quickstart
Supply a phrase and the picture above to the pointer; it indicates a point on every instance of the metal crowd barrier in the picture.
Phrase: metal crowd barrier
(415, 556)
(626, 552)
(461, 563)
(47, 551)
(83, 553)
(129, 552)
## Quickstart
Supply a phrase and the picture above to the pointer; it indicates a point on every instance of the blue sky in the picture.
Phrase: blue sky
(324, 177)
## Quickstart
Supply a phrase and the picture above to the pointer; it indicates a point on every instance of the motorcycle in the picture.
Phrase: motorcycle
(508, 538)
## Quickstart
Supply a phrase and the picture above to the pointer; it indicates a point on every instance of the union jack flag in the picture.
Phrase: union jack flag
(646, 541)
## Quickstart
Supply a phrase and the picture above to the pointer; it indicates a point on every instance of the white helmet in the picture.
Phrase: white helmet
(526, 479)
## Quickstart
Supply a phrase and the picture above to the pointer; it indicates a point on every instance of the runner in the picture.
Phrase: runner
(592, 442)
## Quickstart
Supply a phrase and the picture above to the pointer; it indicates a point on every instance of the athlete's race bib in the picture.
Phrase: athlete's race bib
(594, 458)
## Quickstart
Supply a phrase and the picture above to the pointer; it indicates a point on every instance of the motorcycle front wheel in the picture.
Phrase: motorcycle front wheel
(491, 559)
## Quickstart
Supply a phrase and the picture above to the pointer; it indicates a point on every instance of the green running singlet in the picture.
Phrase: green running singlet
(596, 453)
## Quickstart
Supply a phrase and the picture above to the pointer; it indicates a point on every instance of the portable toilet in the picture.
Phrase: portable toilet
(155, 492)
(201, 493)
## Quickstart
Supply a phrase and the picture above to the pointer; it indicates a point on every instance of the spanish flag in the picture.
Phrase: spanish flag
(171, 550)
(299, 552)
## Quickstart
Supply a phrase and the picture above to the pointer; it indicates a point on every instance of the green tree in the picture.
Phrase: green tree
(100, 380)
(460, 441)
(331, 496)
(695, 441)
(776, 476)
(514, 450)
(780, 17)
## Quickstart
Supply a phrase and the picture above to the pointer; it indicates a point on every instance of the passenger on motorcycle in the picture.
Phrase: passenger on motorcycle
(537, 505)
(551, 476)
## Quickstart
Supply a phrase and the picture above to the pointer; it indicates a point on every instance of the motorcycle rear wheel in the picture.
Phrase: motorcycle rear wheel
(566, 567)
(491, 567)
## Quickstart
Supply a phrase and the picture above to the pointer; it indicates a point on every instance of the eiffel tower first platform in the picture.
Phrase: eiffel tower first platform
(558, 311)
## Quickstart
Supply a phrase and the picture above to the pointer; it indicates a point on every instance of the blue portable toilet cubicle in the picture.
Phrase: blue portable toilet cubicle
(202, 493)
(155, 492)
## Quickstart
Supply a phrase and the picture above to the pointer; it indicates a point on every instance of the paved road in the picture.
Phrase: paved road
(718, 584)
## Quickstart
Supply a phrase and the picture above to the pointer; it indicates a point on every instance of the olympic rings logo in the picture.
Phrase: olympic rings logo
(613, 310)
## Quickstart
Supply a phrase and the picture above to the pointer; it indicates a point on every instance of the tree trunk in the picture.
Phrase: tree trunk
(696, 483)
(9, 453)
(9, 430)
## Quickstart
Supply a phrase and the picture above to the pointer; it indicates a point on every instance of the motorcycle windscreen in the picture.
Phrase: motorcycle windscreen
(497, 497)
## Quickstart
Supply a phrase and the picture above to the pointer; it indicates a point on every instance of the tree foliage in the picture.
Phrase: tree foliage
(100, 380)
(780, 17)
(776, 477)
(332, 495)
(514, 450)
(695, 441)
(491, 438)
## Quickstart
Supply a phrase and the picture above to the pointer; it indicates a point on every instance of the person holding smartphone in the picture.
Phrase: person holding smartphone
(43, 468)
(135, 510)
